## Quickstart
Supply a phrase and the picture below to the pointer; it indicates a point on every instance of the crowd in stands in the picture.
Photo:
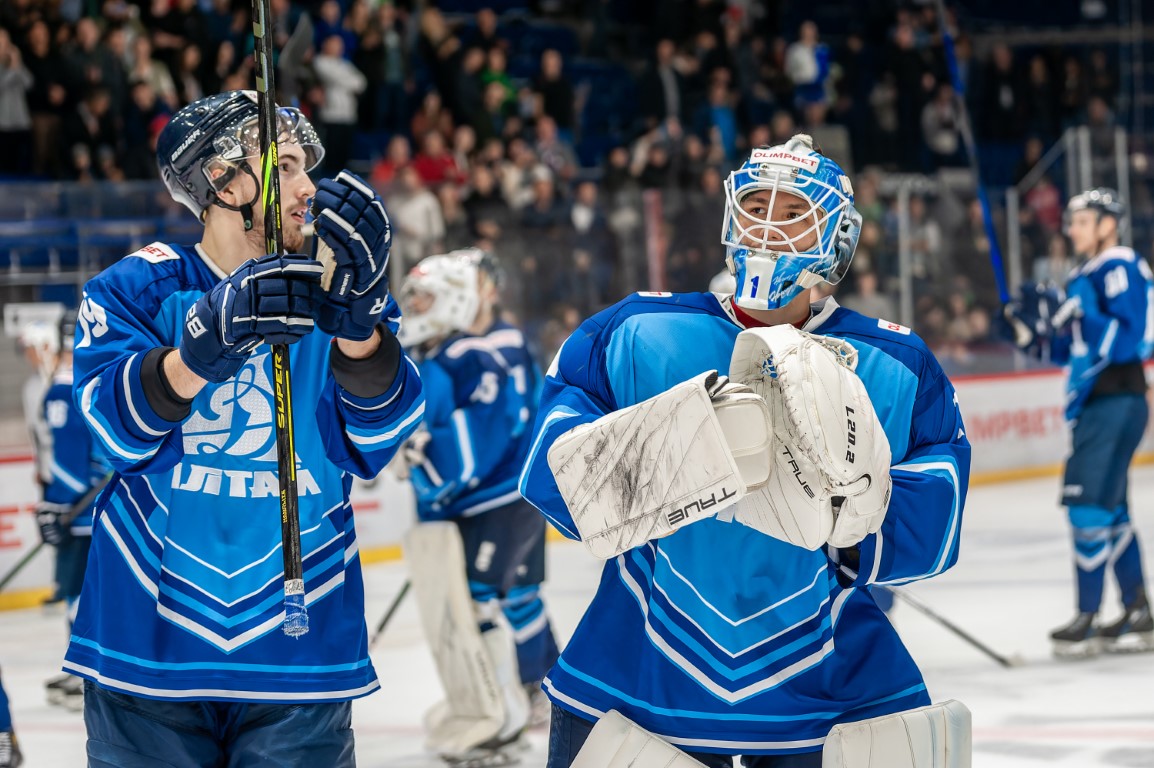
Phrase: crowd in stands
(557, 132)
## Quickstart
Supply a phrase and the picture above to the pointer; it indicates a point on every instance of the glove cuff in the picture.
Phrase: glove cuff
(158, 391)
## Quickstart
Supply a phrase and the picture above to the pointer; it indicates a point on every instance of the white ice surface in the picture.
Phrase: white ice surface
(1012, 585)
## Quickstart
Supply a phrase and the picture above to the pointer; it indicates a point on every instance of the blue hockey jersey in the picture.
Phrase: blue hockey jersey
(77, 465)
(720, 638)
(1112, 296)
(183, 598)
(482, 396)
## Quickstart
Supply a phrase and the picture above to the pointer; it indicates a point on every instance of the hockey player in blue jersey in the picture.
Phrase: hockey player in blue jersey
(179, 631)
(745, 628)
(1101, 330)
(482, 387)
(76, 470)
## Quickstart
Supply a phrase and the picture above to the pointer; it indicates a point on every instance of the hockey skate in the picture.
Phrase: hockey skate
(1080, 639)
(66, 691)
(497, 750)
(540, 708)
(1133, 632)
(10, 756)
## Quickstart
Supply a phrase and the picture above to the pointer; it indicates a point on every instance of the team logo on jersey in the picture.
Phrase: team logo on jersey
(238, 423)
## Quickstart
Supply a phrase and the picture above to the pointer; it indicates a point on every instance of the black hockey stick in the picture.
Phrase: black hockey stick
(73, 513)
(384, 622)
(296, 618)
(925, 609)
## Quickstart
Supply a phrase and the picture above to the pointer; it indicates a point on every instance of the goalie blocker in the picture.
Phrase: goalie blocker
(645, 471)
(937, 736)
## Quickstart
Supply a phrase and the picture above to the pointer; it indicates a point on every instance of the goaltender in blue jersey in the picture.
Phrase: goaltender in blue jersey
(183, 600)
(747, 628)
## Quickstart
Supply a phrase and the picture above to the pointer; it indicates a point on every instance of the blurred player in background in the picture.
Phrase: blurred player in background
(40, 341)
(10, 755)
(482, 387)
(179, 633)
(745, 629)
(77, 470)
(1101, 330)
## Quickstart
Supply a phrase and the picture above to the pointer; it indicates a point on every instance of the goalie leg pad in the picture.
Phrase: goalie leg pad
(937, 736)
(477, 709)
(618, 742)
(644, 471)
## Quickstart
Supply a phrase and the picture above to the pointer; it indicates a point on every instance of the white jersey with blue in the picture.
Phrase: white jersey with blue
(720, 638)
(183, 597)
(482, 394)
(76, 463)
(1113, 323)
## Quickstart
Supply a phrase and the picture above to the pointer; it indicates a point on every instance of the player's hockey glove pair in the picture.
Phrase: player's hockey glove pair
(279, 298)
(1036, 317)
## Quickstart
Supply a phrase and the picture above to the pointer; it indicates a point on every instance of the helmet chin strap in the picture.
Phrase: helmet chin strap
(244, 209)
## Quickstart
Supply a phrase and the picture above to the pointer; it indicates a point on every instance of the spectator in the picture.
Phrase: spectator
(398, 155)
(866, 299)
(488, 213)
(556, 93)
(807, 62)
(393, 79)
(495, 111)
(928, 264)
(1073, 91)
(223, 65)
(457, 234)
(434, 164)
(468, 88)
(554, 152)
(485, 35)
(496, 70)
(546, 212)
(151, 71)
(327, 23)
(187, 75)
(592, 236)
(661, 91)
(1041, 99)
(1101, 79)
(92, 65)
(716, 120)
(139, 159)
(1002, 104)
(432, 116)
(516, 174)
(464, 146)
(15, 118)
(342, 84)
(91, 137)
(416, 216)
(941, 131)
(46, 100)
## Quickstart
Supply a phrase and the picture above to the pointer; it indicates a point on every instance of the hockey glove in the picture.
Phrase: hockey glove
(271, 299)
(352, 240)
(50, 520)
(831, 478)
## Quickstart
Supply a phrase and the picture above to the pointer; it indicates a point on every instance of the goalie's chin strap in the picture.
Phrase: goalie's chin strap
(244, 209)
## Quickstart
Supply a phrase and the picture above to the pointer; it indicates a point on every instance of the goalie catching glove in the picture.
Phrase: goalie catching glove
(831, 468)
(649, 469)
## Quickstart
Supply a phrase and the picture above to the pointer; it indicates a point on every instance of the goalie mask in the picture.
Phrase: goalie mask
(439, 297)
(208, 142)
(789, 224)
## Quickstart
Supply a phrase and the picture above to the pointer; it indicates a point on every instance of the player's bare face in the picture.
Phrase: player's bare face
(1083, 232)
(777, 222)
(295, 190)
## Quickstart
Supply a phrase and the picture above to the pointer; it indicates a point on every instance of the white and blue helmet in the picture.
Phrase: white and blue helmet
(770, 265)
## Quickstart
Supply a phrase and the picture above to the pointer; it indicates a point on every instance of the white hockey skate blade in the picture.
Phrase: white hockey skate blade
(1131, 642)
(1077, 651)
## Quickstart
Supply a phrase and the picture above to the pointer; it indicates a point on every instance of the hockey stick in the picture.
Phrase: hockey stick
(925, 609)
(966, 129)
(73, 513)
(389, 613)
(296, 618)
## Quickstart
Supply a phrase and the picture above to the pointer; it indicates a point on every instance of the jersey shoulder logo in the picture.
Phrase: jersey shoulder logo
(156, 253)
(92, 321)
(887, 325)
